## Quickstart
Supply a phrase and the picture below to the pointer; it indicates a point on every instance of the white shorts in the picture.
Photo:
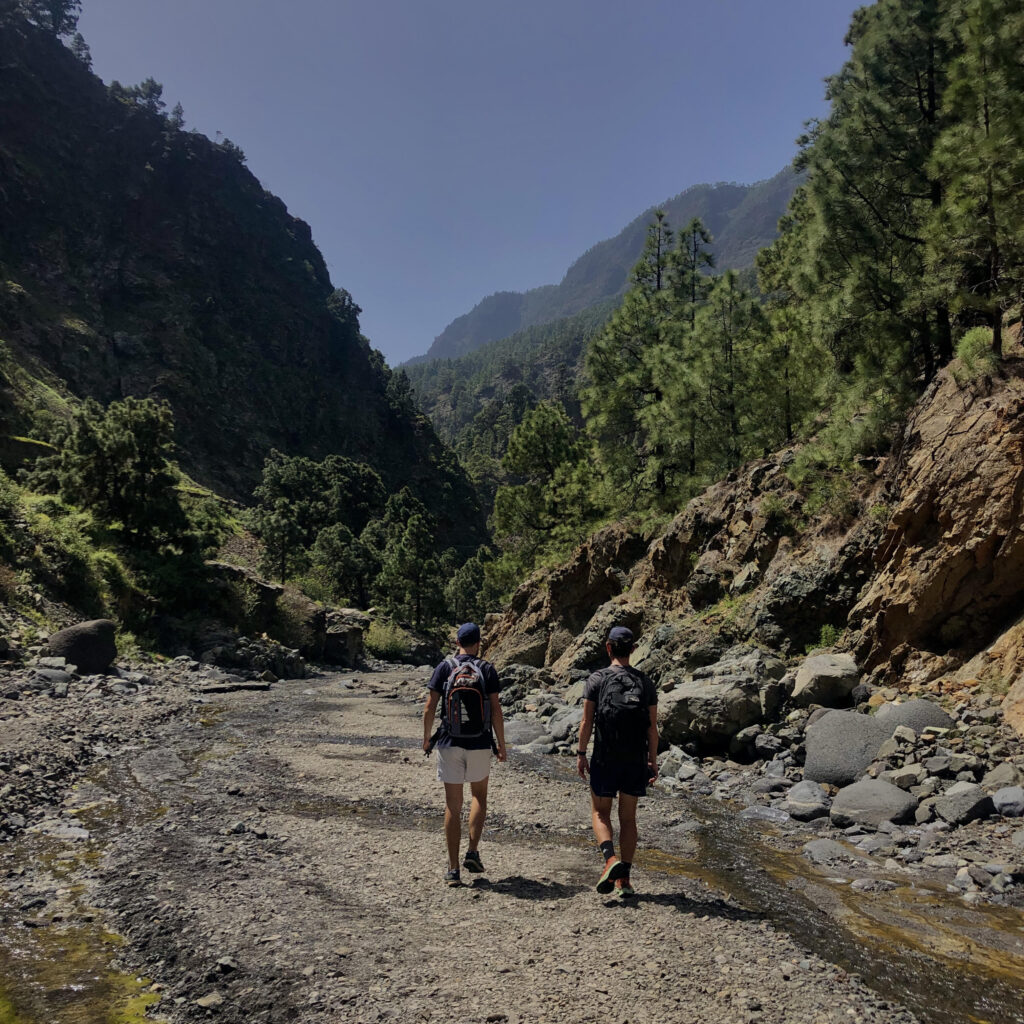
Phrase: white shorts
(455, 764)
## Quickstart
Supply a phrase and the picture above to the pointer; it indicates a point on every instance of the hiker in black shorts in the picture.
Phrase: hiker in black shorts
(623, 703)
(463, 692)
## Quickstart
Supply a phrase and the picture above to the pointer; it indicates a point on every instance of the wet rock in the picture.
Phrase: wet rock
(1009, 801)
(828, 851)
(964, 802)
(772, 815)
(89, 645)
(826, 679)
(872, 885)
(870, 802)
(807, 801)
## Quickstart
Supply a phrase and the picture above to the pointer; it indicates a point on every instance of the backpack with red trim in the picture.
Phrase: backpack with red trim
(467, 708)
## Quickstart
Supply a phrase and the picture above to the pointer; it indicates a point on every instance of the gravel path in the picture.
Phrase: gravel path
(278, 857)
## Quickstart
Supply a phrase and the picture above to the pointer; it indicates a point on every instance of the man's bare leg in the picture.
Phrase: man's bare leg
(453, 821)
(601, 818)
(477, 815)
(627, 827)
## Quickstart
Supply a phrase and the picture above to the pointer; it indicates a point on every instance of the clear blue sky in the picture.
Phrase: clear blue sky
(443, 150)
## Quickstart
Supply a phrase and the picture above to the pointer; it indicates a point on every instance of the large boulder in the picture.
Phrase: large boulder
(88, 645)
(871, 802)
(841, 744)
(826, 679)
(915, 714)
(964, 802)
(343, 644)
(719, 700)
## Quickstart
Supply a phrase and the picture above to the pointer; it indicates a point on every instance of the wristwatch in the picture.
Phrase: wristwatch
(581, 753)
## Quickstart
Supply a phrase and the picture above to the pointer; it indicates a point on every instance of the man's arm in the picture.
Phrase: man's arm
(652, 743)
(586, 728)
(498, 725)
(433, 696)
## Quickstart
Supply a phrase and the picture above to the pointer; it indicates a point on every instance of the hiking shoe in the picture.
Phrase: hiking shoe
(451, 877)
(613, 869)
(472, 862)
(624, 889)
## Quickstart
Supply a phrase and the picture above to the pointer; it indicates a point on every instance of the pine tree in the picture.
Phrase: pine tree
(726, 331)
(977, 234)
(621, 376)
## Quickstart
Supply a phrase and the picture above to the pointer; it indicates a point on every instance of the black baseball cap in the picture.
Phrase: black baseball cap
(468, 634)
(620, 635)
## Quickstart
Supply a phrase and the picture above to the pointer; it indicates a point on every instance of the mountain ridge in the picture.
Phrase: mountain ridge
(742, 218)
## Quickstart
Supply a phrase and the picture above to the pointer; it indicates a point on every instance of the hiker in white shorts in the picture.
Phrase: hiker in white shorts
(466, 687)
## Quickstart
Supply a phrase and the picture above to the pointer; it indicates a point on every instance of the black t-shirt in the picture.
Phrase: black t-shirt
(592, 691)
(491, 685)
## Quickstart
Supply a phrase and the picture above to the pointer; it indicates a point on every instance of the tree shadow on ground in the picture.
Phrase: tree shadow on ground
(685, 905)
(529, 888)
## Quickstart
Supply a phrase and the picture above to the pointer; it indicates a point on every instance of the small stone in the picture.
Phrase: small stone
(211, 1001)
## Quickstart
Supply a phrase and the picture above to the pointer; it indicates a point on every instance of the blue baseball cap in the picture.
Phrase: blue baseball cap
(620, 635)
(468, 634)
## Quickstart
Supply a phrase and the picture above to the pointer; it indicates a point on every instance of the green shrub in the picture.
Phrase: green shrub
(831, 496)
(974, 350)
(387, 640)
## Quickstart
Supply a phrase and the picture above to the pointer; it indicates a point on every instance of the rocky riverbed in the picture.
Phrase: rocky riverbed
(276, 855)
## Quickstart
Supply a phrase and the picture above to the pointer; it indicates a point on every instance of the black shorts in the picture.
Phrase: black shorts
(630, 778)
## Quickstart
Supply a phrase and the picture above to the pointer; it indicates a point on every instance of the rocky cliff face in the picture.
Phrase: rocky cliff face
(139, 259)
(926, 582)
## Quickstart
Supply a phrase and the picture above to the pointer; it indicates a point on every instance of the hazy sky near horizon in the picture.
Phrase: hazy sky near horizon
(445, 150)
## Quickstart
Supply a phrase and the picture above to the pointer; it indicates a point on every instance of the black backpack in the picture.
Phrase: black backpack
(467, 708)
(622, 716)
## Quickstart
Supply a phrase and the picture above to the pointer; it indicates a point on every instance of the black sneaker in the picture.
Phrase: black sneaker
(451, 877)
(472, 862)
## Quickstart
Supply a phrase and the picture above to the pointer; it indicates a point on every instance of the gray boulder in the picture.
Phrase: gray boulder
(963, 802)
(521, 731)
(565, 723)
(826, 679)
(89, 645)
(1009, 801)
(807, 801)
(916, 714)
(871, 802)
(722, 699)
(1003, 775)
(841, 744)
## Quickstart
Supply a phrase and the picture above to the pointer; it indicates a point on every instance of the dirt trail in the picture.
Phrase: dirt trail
(279, 856)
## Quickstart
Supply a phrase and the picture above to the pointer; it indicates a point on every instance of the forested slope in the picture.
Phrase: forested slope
(141, 259)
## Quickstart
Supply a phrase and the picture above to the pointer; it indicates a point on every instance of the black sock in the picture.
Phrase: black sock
(627, 864)
(607, 849)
